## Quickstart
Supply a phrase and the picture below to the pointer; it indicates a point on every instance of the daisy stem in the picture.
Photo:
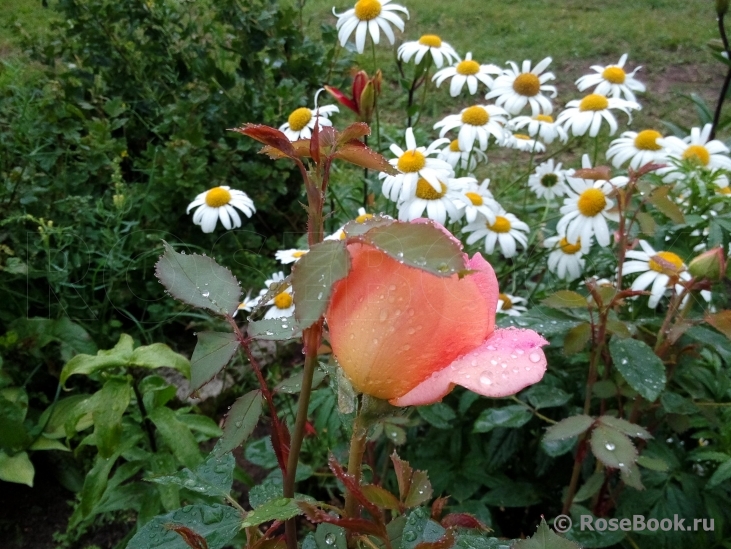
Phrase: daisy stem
(375, 102)
(530, 169)
(596, 151)
(423, 94)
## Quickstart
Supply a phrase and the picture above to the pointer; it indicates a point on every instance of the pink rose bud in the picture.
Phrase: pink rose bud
(409, 336)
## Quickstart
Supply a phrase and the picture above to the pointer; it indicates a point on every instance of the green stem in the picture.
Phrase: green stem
(355, 460)
(375, 101)
(423, 94)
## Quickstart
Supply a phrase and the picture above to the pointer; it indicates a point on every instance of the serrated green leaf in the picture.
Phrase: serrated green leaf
(380, 497)
(17, 468)
(211, 354)
(590, 487)
(514, 415)
(555, 448)
(544, 538)
(439, 415)
(543, 396)
(565, 299)
(240, 421)
(576, 339)
(330, 536)
(313, 277)
(293, 385)
(213, 477)
(631, 476)
(420, 245)
(676, 404)
(111, 403)
(654, 464)
(420, 529)
(274, 329)
(276, 509)
(639, 366)
(612, 448)
(569, 427)
(199, 281)
(659, 199)
(218, 524)
(624, 426)
(420, 490)
(544, 320)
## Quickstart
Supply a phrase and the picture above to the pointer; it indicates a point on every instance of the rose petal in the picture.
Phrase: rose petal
(508, 361)
(392, 326)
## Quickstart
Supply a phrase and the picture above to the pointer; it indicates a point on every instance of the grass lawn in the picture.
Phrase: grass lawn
(30, 15)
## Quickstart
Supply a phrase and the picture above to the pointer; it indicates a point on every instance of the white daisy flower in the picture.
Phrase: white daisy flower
(248, 303)
(283, 303)
(507, 231)
(220, 203)
(523, 142)
(582, 115)
(478, 200)
(697, 150)
(586, 210)
(612, 81)
(658, 268)
(414, 165)
(438, 205)
(337, 235)
(541, 125)
(369, 16)
(509, 305)
(292, 255)
(566, 260)
(468, 72)
(639, 148)
(548, 181)
(516, 88)
(301, 121)
(476, 122)
(429, 43)
(467, 160)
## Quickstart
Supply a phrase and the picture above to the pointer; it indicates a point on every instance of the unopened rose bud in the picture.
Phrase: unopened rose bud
(710, 265)
(367, 102)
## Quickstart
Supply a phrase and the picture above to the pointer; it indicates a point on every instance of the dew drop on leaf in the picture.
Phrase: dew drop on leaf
(609, 446)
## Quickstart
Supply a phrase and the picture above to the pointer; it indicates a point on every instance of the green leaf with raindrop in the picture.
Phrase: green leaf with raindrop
(639, 366)
(212, 352)
(240, 422)
(213, 477)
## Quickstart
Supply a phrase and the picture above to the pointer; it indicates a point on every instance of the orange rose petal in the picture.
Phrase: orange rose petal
(508, 361)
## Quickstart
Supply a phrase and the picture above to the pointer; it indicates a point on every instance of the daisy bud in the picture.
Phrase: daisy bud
(721, 7)
(710, 265)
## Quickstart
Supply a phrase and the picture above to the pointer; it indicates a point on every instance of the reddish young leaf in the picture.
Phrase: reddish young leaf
(269, 136)
(380, 497)
(403, 475)
(357, 525)
(357, 130)
(301, 150)
(352, 486)
(721, 321)
(463, 520)
(437, 507)
(357, 153)
(191, 538)
(600, 173)
(445, 542)
(420, 490)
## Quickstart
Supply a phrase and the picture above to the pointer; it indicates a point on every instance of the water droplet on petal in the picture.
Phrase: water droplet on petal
(534, 357)
(485, 379)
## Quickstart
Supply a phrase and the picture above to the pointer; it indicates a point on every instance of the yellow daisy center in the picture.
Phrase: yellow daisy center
(501, 225)
(365, 10)
(299, 118)
(521, 136)
(593, 102)
(411, 161)
(218, 197)
(475, 198)
(725, 190)
(431, 40)
(507, 302)
(549, 180)
(667, 260)
(527, 84)
(568, 248)
(543, 118)
(425, 191)
(646, 140)
(454, 146)
(363, 218)
(283, 301)
(468, 67)
(299, 253)
(697, 153)
(615, 75)
(592, 202)
(475, 116)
